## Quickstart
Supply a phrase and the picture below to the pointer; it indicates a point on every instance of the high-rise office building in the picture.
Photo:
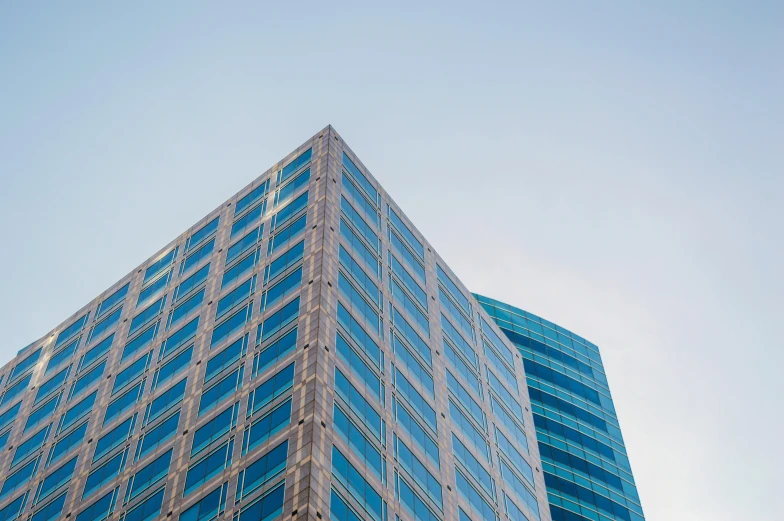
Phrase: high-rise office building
(299, 353)
(586, 468)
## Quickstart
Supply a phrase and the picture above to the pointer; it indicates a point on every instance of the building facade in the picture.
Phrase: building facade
(586, 467)
(302, 352)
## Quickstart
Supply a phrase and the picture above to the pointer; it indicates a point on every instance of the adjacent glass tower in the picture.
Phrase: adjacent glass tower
(302, 352)
(586, 468)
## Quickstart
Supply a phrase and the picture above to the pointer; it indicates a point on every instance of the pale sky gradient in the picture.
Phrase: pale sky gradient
(614, 168)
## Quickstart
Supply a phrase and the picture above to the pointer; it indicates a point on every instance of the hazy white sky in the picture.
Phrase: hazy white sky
(615, 168)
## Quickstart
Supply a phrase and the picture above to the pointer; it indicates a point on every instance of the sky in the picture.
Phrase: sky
(614, 167)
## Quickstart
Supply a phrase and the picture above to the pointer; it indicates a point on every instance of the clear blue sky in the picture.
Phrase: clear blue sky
(615, 168)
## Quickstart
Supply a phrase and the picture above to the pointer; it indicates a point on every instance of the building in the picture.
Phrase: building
(299, 353)
(586, 468)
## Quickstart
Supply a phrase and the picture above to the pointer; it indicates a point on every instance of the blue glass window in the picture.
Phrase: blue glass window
(112, 300)
(147, 509)
(417, 432)
(546, 374)
(101, 509)
(270, 389)
(500, 365)
(140, 342)
(231, 325)
(274, 352)
(67, 442)
(185, 309)
(51, 510)
(362, 447)
(514, 512)
(77, 411)
(9, 415)
(261, 471)
(215, 429)
(158, 435)
(412, 501)
(508, 421)
(410, 307)
(61, 356)
(359, 304)
(285, 261)
(171, 368)
(25, 364)
(412, 363)
(358, 246)
(96, 352)
(114, 438)
(159, 265)
(506, 397)
(51, 385)
(293, 187)
(166, 400)
(30, 445)
(339, 510)
(204, 232)
(187, 285)
(455, 312)
(412, 337)
(360, 178)
(283, 237)
(228, 385)
(476, 469)
(124, 402)
(497, 343)
(372, 419)
(42, 413)
(215, 462)
(179, 338)
(13, 509)
(154, 289)
(240, 268)
(419, 472)
(57, 478)
(408, 281)
(263, 428)
(359, 275)
(355, 330)
(285, 287)
(416, 400)
(408, 257)
(252, 196)
(275, 322)
(460, 420)
(101, 327)
(127, 375)
(458, 341)
(514, 456)
(462, 368)
(359, 367)
(195, 258)
(69, 332)
(356, 484)
(226, 358)
(13, 391)
(236, 296)
(19, 478)
(453, 290)
(360, 200)
(294, 166)
(248, 220)
(209, 507)
(465, 399)
(247, 242)
(519, 488)
(149, 475)
(265, 508)
(147, 315)
(475, 499)
(407, 234)
(105, 473)
(289, 211)
(359, 223)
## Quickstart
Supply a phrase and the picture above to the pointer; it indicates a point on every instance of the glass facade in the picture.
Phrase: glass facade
(586, 467)
(302, 352)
